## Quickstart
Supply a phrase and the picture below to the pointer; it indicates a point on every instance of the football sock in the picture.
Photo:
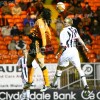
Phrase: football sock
(45, 75)
(30, 74)
(57, 77)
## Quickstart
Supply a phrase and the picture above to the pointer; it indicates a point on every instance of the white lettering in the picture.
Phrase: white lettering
(98, 95)
(64, 96)
(40, 96)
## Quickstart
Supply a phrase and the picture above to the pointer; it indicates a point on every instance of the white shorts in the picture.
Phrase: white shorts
(70, 54)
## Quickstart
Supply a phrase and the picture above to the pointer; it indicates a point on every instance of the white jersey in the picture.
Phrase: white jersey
(23, 63)
(68, 36)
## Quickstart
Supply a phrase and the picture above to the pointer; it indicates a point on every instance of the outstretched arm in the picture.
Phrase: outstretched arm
(83, 44)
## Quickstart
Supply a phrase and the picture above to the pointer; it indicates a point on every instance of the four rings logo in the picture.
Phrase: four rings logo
(88, 69)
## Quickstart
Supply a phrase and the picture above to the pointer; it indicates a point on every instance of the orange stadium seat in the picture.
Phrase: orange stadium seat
(11, 4)
(7, 61)
(10, 20)
(13, 52)
(23, 13)
(25, 38)
(23, 16)
(8, 16)
(5, 52)
(97, 37)
(20, 53)
(1, 38)
(3, 47)
(16, 16)
(16, 38)
(6, 57)
(1, 61)
(2, 42)
(14, 61)
(27, 42)
(7, 38)
(70, 16)
(97, 51)
(19, 25)
(95, 46)
(14, 56)
(90, 55)
(93, 60)
(17, 0)
(7, 42)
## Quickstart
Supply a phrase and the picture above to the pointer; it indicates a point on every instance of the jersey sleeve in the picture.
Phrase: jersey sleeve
(77, 34)
(62, 38)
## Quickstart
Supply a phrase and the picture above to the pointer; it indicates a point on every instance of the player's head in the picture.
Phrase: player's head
(68, 21)
(46, 14)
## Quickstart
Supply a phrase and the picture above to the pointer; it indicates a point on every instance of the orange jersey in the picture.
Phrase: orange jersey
(44, 30)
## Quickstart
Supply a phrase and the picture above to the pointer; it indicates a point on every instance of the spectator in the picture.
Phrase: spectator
(86, 38)
(27, 29)
(6, 9)
(6, 31)
(86, 21)
(28, 20)
(32, 9)
(70, 9)
(20, 44)
(59, 25)
(94, 17)
(1, 3)
(15, 31)
(76, 21)
(16, 10)
(87, 9)
(80, 28)
(98, 11)
(95, 28)
(23, 5)
(12, 45)
(74, 2)
(78, 9)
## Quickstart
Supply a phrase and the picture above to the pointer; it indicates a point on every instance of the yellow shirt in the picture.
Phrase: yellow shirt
(43, 30)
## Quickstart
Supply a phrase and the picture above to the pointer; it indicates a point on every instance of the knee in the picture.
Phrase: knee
(43, 68)
(58, 73)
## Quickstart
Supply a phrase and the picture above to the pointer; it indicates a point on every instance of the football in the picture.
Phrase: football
(60, 7)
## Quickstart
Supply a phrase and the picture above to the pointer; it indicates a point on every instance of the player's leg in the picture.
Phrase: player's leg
(25, 94)
(76, 62)
(30, 71)
(62, 63)
(45, 74)
(57, 76)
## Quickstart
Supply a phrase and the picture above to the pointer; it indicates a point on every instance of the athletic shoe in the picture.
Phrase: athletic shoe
(45, 88)
(86, 91)
(27, 86)
(52, 86)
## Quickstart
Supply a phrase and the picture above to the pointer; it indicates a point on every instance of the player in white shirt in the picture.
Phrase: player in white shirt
(68, 37)
(22, 64)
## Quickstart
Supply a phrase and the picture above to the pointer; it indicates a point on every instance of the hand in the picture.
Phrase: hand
(86, 49)
(43, 50)
(56, 56)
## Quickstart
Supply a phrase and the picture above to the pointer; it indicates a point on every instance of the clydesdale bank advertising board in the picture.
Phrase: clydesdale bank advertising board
(11, 86)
